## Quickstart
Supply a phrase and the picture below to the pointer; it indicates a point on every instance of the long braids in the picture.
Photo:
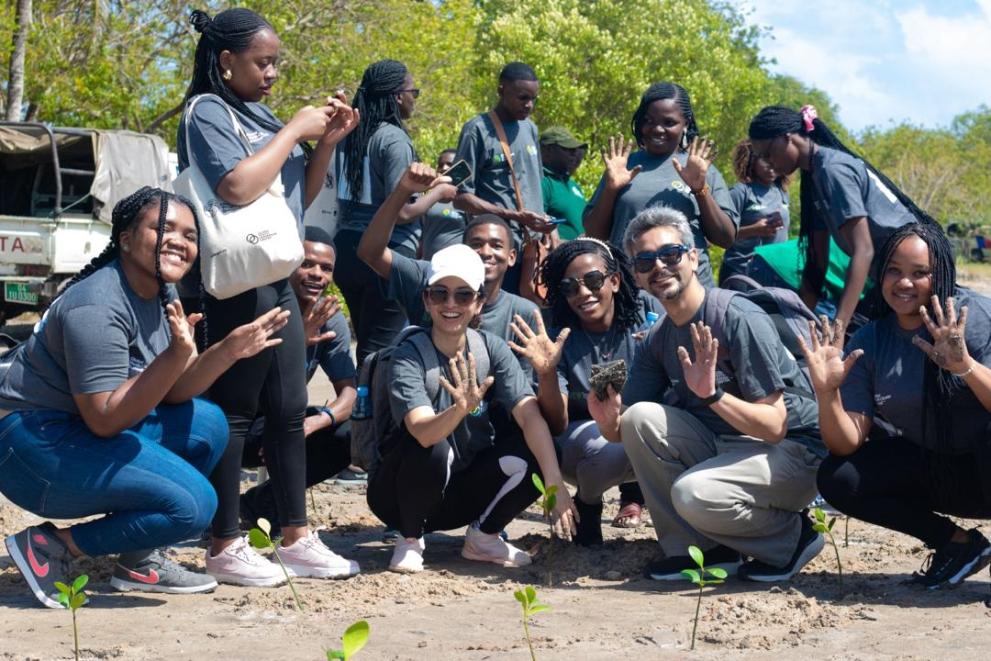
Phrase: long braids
(774, 121)
(376, 101)
(552, 270)
(661, 92)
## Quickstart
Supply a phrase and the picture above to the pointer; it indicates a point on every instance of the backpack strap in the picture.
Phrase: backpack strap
(714, 309)
(428, 355)
(476, 345)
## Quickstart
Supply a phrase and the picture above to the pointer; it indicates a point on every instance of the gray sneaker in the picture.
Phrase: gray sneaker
(152, 571)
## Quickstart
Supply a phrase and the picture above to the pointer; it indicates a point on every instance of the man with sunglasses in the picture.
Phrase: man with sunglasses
(728, 461)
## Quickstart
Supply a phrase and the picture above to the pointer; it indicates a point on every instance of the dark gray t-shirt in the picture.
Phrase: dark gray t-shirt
(846, 189)
(334, 355)
(761, 362)
(390, 151)
(886, 383)
(407, 391)
(659, 183)
(443, 226)
(754, 201)
(95, 337)
(217, 148)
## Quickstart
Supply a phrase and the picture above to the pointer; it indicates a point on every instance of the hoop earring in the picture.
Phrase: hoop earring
(227, 74)
(684, 139)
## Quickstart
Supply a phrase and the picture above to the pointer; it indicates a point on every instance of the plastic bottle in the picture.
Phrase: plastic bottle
(363, 405)
(651, 319)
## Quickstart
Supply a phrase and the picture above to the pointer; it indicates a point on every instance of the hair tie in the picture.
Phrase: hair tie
(809, 115)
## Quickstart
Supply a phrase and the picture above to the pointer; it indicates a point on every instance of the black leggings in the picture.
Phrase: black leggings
(413, 492)
(272, 383)
(376, 318)
(889, 482)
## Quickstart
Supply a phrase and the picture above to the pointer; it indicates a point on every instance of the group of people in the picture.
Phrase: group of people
(487, 304)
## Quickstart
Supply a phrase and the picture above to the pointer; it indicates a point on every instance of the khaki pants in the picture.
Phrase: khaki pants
(705, 489)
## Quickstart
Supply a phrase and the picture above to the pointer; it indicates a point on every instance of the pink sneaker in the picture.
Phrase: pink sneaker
(492, 548)
(308, 557)
(407, 556)
(240, 564)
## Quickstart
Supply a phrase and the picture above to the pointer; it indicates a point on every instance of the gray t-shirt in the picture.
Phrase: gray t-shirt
(390, 151)
(443, 226)
(754, 201)
(334, 355)
(846, 189)
(886, 383)
(659, 183)
(217, 148)
(407, 391)
(95, 337)
(760, 361)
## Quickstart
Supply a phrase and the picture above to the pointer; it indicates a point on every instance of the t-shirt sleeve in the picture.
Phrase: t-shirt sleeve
(407, 382)
(857, 390)
(395, 154)
(842, 183)
(407, 279)
(647, 380)
(471, 149)
(214, 145)
(738, 196)
(755, 350)
(336, 360)
(545, 192)
(720, 193)
(511, 383)
(95, 362)
(595, 197)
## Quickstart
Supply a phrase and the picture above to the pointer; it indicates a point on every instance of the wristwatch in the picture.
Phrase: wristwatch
(714, 397)
(702, 192)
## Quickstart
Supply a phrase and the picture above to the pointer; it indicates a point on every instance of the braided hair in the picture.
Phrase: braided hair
(660, 92)
(774, 121)
(376, 101)
(552, 269)
(231, 30)
(743, 165)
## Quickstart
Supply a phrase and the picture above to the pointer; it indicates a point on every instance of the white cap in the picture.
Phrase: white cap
(458, 261)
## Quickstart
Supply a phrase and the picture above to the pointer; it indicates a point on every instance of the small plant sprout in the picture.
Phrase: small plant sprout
(824, 526)
(698, 577)
(352, 641)
(528, 600)
(73, 598)
(260, 539)
(548, 499)
(846, 533)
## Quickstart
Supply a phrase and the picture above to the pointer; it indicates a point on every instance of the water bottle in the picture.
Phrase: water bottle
(363, 405)
(651, 319)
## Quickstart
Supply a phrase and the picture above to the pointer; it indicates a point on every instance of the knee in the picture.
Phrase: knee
(836, 479)
(641, 423)
(693, 495)
(210, 424)
(193, 504)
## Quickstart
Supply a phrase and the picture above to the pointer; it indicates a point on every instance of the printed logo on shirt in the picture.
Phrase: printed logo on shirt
(681, 187)
(880, 399)
(577, 191)
(135, 365)
(531, 149)
(756, 206)
(255, 136)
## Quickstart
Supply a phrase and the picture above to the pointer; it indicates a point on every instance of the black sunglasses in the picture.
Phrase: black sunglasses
(462, 296)
(669, 255)
(593, 280)
(415, 91)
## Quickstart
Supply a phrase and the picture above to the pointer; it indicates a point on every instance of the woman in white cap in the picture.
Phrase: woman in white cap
(447, 466)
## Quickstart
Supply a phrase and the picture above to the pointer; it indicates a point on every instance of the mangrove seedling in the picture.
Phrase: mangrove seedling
(698, 577)
(548, 499)
(352, 641)
(528, 600)
(73, 598)
(261, 539)
(824, 526)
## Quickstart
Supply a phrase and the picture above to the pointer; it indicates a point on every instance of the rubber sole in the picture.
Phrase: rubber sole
(311, 572)
(25, 569)
(971, 568)
(123, 585)
(810, 552)
(729, 567)
(234, 579)
(470, 554)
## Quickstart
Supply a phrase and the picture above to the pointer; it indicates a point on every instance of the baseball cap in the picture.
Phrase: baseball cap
(458, 261)
(558, 135)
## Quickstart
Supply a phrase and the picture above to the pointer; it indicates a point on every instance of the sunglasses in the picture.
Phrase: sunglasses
(593, 281)
(415, 91)
(669, 255)
(462, 296)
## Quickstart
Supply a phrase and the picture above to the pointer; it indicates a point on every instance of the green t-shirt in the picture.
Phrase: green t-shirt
(564, 199)
(788, 262)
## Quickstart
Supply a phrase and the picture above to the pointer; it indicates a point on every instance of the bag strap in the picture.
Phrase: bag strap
(476, 345)
(501, 134)
(714, 315)
(428, 355)
(238, 129)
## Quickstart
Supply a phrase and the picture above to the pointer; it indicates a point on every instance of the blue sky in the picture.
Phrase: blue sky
(883, 61)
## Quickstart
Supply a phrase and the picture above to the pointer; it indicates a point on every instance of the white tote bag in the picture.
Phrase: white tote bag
(240, 247)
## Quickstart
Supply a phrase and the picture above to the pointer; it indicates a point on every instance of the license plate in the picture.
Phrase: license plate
(19, 292)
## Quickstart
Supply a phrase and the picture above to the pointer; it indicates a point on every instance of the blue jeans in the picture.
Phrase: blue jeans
(150, 480)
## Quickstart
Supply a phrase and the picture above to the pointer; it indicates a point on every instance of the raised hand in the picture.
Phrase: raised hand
(536, 346)
(827, 367)
(700, 374)
(700, 155)
(465, 390)
(182, 327)
(247, 340)
(949, 346)
(614, 157)
(344, 120)
(315, 315)
(419, 177)
(311, 122)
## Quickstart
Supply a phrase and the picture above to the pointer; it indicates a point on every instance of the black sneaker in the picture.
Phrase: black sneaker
(810, 543)
(589, 523)
(351, 475)
(955, 561)
(152, 571)
(669, 569)
(43, 559)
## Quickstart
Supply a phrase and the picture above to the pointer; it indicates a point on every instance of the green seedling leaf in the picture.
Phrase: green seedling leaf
(334, 655)
(537, 482)
(831, 524)
(80, 582)
(355, 638)
(696, 554)
(691, 575)
(266, 527)
(538, 608)
(520, 597)
(528, 598)
(820, 514)
(718, 572)
(258, 539)
(531, 594)
(77, 601)
(63, 599)
(551, 502)
(62, 587)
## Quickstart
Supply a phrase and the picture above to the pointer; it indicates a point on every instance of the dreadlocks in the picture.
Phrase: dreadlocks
(660, 92)
(376, 101)
(552, 269)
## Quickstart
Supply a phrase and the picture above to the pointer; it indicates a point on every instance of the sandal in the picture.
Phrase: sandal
(629, 516)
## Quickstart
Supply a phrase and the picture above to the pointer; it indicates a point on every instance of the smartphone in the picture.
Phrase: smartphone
(557, 221)
(459, 173)
(775, 220)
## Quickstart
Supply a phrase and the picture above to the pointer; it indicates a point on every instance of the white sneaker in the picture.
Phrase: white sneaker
(407, 557)
(309, 557)
(240, 564)
(492, 548)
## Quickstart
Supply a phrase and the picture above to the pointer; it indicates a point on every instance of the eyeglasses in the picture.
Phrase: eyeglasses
(462, 296)
(415, 91)
(593, 281)
(669, 255)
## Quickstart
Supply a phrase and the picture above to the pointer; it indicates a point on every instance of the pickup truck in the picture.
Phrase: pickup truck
(58, 187)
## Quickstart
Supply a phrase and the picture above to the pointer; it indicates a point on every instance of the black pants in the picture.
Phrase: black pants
(413, 492)
(376, 318)
(272, 383)
(890, 483)
(328, 452)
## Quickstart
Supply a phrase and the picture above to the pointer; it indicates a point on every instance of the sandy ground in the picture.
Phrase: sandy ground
(602, 608)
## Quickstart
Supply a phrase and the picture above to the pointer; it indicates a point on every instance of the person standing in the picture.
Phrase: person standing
(564, 199)
(443, 225)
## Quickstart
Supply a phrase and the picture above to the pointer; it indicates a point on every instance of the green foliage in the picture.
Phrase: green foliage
(548, 495)
(355, 638)
(824, 526)
(260, 538)
(698, 577)
(73, 598)
(531, 606)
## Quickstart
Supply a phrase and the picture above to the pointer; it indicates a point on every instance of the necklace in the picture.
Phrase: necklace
(603, 349)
